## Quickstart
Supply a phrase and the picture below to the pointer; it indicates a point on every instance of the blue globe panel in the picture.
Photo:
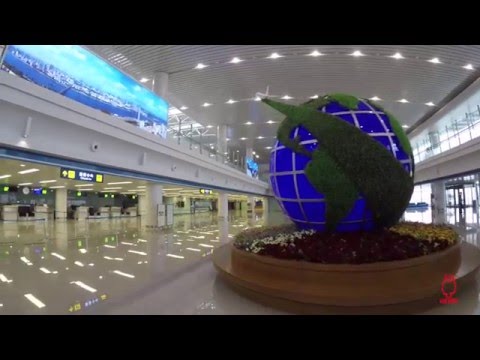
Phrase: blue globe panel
(363, 106)
(359, 211)
(301, 161)
(284, 160)
(370, 123)
(293, 210)
(314, 211)
(286, 187)
(303, 133)
(306, 189)
(333, 108)
(385, 141)
(400, 154)
(347, 118)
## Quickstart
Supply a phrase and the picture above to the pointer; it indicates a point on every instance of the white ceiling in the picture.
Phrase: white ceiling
(295, 74)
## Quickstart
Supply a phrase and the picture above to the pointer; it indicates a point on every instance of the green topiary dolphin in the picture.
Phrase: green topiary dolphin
(348, 162)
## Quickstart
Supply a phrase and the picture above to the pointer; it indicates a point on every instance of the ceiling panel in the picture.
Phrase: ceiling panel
(295, 74)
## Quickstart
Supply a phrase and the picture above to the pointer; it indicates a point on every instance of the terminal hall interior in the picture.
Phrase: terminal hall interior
(239, 179)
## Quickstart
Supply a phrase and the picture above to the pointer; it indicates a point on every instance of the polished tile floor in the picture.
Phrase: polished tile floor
(119, 267)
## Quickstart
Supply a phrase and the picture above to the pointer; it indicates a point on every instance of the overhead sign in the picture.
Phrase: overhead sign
(81, 175)
(206, 191)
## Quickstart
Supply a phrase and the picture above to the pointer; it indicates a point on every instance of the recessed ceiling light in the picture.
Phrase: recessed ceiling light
(22, 165)
(274, 56)
(357, 53)
(24, 184)
(314, 97)
(405, 126)
(209, 126)
(200, 66)
(5, 176)
(57, 187)
(238, 150)
(397, 56)
(84, 185)
(468, 67)
(28, 171)
(143, 80)
(430, 103)
(375, 98)
(257, 98)
(403, 101)
(286, 97)
(434, 61)
(231, 101)
(315, 53)
(243, 138)
(257, 156)
(47, 181)
(235, 60)
(249, 123)
(119, 183)
(253, 152)
(183, 108)
(260, 137)
(268, 147)
(270, 122)
(206, 104)
(112, 188)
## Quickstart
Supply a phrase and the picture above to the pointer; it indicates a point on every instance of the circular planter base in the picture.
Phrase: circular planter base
(396, 287)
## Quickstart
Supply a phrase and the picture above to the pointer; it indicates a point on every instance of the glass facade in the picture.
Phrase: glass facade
(459, 126)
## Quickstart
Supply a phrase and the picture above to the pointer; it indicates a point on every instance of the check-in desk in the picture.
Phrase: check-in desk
(81, 213)
(104, 211)
(115, 211)
(41, 212)
(131, 211)
(9, 212)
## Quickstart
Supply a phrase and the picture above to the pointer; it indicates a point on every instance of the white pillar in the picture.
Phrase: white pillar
(222, 205)
(61, 204)
(160, 84)
(222, 141)
(438, 202)
(154, 207)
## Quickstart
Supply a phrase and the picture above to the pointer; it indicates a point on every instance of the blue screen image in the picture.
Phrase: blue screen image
(78, 74)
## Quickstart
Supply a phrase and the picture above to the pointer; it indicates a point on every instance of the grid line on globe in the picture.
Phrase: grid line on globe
(298, 198)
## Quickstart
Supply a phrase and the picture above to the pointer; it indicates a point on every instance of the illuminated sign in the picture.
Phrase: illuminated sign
(81, 175)
(44, 192)
(6, 188)
(206, 191)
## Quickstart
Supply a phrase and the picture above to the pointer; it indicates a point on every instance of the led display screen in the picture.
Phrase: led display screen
(252, 168)
(80, 75)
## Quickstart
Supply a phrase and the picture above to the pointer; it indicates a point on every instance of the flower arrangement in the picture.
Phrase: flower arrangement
(402, 241)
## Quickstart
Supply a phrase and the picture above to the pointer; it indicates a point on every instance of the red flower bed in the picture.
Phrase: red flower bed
(354, 247)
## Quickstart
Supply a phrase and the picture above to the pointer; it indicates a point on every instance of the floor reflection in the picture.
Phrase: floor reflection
(69, 266)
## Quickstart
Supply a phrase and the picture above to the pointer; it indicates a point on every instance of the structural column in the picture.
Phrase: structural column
(438, 202)
(61, 203)
(222, 141)
(155, 209)
(160, 84)
(222, 205)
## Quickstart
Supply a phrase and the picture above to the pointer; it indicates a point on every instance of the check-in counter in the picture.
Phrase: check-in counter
(115, 211)
(104, 211)
(9, 212)
(81, 213)
(41, 212)
(131, 211)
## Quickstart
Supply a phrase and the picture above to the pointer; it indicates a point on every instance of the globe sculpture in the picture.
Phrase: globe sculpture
(341, 163)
